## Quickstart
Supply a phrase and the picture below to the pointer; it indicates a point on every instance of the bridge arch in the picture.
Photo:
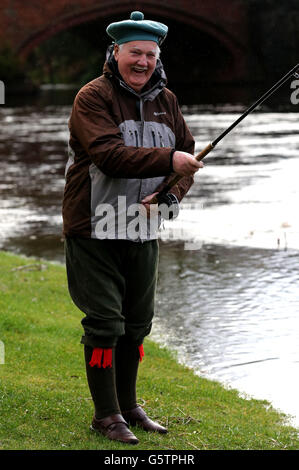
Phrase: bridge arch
(206, 20)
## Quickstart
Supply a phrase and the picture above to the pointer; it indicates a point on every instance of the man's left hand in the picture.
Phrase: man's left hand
(147, 205)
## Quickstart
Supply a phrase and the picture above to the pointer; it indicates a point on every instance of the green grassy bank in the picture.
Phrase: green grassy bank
(44, 397)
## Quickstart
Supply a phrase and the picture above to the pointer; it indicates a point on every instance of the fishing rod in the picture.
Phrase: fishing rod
(293, 72)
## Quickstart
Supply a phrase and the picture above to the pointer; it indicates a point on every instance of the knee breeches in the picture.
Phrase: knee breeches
(113, 282)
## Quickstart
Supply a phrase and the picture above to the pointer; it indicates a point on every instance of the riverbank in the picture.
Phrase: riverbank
(45, 401)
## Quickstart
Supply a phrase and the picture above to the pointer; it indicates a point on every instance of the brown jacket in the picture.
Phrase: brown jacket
(119, 149)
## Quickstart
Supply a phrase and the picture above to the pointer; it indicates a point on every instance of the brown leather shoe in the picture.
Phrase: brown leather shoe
(138, 417)
(115, 428)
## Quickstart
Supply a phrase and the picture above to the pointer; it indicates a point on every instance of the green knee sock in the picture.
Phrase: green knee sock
(126, 363)
(102, 386)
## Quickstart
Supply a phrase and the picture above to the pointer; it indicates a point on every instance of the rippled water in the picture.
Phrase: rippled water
(232, 313)
(228, 293)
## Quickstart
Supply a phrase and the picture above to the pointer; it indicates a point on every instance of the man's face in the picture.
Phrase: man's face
(136, 62)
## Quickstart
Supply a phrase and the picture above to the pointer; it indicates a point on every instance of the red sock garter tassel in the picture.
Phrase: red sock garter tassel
(100, 353)
(141, 352)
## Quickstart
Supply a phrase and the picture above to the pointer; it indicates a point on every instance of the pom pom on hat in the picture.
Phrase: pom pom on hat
(137, 29)
(136, 16)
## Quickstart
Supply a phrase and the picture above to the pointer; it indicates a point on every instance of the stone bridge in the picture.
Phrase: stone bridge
(26, 24)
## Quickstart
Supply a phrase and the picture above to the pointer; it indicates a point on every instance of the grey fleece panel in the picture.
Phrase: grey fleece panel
(147, 134)
(116, 212)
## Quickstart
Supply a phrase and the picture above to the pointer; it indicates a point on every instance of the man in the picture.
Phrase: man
(127, 136)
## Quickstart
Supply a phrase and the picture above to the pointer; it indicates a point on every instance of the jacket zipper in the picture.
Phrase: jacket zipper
(142, 120)
(141, 138)
(154, 139)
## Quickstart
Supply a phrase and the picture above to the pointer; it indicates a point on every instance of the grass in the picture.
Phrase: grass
(44, 397)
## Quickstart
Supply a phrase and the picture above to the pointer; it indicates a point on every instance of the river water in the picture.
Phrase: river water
(227, 298)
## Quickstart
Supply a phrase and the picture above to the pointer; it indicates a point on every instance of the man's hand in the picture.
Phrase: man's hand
(184, 164)
(147, 205)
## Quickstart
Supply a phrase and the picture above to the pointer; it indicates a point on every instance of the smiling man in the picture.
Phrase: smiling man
(127, 138)
(136, 62)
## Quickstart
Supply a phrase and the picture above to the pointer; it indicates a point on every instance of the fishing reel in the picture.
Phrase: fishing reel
(168, 205)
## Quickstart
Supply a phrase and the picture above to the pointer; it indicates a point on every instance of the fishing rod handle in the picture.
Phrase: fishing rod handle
(200, 156)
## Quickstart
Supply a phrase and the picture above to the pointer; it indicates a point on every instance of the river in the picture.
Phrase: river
(227, 298)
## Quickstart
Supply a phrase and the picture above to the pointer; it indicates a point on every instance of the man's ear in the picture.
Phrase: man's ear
(116, 51)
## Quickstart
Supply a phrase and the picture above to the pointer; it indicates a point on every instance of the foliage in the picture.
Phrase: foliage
(72, 56)
(11, 69)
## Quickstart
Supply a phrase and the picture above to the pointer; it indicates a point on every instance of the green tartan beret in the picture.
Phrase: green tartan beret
(137, 29)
